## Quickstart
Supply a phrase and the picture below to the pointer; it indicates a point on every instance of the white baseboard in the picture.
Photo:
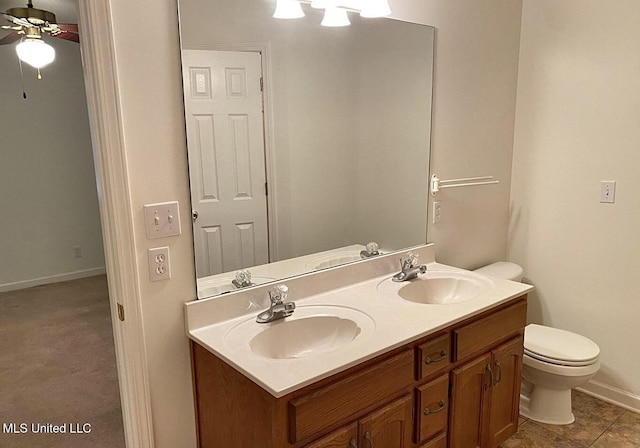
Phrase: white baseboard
(52, 279)
(612, 395)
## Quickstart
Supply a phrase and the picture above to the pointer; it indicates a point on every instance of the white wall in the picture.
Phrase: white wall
(577, 124)
(49, 200)
(476, 62)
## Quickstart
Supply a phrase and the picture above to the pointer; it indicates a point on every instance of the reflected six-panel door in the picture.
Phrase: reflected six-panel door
(225, 135)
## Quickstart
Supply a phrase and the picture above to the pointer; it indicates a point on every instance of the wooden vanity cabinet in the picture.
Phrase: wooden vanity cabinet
(458, 388)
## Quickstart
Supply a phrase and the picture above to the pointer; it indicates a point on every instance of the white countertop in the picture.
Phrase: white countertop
(395, 322)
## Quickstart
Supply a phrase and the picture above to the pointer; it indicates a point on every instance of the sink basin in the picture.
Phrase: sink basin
(213, 287)
(438, 287)
(311, 331)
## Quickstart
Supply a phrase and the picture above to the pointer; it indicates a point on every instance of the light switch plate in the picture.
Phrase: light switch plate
(437, 212)
(608, 191)
(162, 219)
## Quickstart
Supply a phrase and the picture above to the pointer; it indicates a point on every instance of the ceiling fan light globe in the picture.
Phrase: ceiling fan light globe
(35, 52)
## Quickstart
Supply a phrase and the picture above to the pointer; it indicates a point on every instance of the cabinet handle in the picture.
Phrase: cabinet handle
(440, 408)
(497, 363)
(367, 437)
(353, 443)
(488, 368)
(428, 360)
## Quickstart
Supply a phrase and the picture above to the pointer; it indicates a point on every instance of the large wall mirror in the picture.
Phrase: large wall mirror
(305, 142)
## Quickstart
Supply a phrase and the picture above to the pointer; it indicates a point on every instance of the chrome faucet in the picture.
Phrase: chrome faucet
(409, 268)
(243, 279)
(371, 250)
(279, 309)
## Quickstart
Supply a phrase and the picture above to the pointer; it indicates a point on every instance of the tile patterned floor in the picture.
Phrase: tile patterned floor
(598, 425)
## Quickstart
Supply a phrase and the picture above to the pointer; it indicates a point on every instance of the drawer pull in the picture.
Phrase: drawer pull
(488, 385)
(353, 443)
(440, 408)
(428, 360)
(497, 363)
(367, 437)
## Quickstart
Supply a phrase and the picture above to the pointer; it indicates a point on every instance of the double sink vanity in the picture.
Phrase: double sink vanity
(362, 360)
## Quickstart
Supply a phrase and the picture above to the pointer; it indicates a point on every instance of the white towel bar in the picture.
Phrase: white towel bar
(437, 184)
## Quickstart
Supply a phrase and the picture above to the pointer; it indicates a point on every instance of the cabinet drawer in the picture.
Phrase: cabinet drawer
(433, 356)
(438, 442)
(340, 438)
(433, 408)
(473, 337)
(348, 399)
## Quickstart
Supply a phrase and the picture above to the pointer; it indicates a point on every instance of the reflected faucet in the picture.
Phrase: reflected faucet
(371, 250)
(243, 279)
(409, 269)
(279, 309)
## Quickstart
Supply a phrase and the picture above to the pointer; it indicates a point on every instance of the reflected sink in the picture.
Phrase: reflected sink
(438, 287)
(311, 331)
(333, 259)
(213, 287)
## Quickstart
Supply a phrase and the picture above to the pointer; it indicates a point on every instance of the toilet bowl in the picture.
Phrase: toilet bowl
(554, 362)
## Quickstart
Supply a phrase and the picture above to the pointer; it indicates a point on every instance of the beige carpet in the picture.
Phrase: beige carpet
(57, 366)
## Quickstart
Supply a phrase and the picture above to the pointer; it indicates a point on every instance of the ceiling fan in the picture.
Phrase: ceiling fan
(28, 25)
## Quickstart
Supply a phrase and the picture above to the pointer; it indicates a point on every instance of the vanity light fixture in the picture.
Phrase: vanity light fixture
(334, 16)
(288, 9)
(335, 11)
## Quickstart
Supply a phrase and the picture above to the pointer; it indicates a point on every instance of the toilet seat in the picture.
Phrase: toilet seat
(559, 347)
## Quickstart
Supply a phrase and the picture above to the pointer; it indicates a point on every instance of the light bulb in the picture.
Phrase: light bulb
(375, 8)
(35, 52)
(288, 9)
(335, 17)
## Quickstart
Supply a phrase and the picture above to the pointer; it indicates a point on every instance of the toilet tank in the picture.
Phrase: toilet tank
(502, 269)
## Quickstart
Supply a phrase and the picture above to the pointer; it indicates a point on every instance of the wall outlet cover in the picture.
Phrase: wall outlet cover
(159, 264)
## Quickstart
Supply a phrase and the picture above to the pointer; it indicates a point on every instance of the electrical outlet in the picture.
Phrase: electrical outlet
(162, 219)
(159, 264)
(77, 251)
(608, 191)
(437, 212)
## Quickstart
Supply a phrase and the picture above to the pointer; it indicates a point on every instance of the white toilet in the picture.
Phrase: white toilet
(555, 361)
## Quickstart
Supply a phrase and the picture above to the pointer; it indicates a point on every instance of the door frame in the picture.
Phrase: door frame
(101, 84)
(264, 48)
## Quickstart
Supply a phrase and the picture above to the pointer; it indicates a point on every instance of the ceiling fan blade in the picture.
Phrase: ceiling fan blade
(68, 36)
(16, 20)
(10, 38)
(67, 31)
(68, 27)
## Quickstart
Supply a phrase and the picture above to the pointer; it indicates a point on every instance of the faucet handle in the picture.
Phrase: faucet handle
(243, 276)
(410, 262)
(372, 248)
(278, 294)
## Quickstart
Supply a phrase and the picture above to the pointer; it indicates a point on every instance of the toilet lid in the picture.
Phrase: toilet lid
(559, 346)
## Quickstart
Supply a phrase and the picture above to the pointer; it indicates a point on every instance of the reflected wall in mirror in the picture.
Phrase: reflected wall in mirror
(305, 142)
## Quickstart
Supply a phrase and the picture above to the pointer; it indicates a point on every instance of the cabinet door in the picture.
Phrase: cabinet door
(432, 404)
(470, 387)
(505, 393)
(341, 438)
(388, 427)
